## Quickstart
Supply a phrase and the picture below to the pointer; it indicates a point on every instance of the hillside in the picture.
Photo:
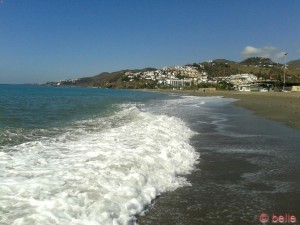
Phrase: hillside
(224, 61)
(258, 61)
(215, 70)
(105, 79)
(295, 64)
(115, 79)
(263, 68)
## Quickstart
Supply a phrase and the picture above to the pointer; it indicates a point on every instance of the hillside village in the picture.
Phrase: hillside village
(253, 73)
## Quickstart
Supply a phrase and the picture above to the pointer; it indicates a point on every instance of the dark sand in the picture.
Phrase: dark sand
(248, 167)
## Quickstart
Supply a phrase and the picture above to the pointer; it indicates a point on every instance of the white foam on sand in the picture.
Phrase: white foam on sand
(95, 176)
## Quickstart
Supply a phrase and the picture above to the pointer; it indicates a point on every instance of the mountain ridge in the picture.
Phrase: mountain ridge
(294, 64)
(263, 68)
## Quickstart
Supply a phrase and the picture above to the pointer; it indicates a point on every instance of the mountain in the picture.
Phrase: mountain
(224, 61)
(258, 61)
(295, 64)
(263, 68)
(105, 79)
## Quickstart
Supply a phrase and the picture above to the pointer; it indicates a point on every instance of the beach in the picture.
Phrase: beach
(280, 106)
(249, 162)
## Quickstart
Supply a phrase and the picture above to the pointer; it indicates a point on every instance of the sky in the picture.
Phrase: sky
(51, 40)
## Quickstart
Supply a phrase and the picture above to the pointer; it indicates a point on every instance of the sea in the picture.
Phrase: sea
(92, 156)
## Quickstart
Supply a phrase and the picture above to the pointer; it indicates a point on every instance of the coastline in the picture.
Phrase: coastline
(244, 171)
(279, 106)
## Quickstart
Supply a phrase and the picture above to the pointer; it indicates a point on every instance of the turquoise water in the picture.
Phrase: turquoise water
(25, 110)
(37, 107)
(87, 156)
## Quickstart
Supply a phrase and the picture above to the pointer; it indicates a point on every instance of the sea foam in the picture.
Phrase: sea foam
(98, 171)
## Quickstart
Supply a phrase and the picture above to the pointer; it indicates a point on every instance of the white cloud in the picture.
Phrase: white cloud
(250, 51)
(266, 52)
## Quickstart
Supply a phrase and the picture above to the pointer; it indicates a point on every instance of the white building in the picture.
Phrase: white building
(245, 87)
(242, 79)
(179, 83)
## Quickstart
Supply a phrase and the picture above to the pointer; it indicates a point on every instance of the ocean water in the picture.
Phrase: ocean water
(116, 157)
(88, 156)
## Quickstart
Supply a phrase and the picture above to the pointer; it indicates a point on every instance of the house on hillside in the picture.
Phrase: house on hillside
(179, 83)
(240, 79)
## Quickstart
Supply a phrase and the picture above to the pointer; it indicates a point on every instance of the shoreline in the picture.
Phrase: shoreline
(243, 170)
(282, 107)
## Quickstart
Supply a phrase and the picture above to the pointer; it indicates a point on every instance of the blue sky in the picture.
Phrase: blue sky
(49, 40)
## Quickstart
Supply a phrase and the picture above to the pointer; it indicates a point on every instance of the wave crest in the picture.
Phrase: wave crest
(100, 171)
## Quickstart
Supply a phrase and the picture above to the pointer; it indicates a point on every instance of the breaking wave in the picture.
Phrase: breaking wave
(102, 171)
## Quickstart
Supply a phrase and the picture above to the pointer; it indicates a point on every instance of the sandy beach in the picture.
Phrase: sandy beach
(280, 106)
(249, 164)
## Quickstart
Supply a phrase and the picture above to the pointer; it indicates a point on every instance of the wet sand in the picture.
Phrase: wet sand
(279, 106)
(249, 165)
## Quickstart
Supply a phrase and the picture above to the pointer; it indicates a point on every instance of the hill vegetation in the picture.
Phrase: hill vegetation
(263, 68)
(258, 61)
(110, 80)
(295, 64)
